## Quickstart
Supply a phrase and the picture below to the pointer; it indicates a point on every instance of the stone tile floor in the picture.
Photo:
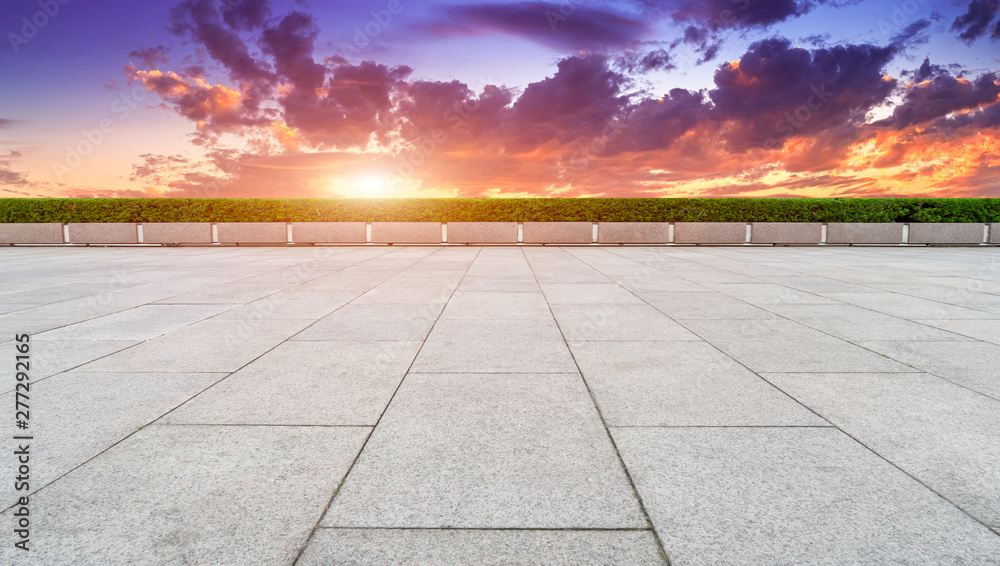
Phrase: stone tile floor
(504, 405)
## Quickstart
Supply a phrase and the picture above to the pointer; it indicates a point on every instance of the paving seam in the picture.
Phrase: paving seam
(724, 426)
(600, 415)
(347, 474)
(852, 437)
(782, 317)
(129, 435)
(269, 425)
(225, 376)
(719, 350)
(539, 529)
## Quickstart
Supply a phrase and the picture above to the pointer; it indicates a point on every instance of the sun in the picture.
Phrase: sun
(368, 186)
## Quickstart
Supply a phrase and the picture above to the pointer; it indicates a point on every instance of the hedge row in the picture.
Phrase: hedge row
(522, 210)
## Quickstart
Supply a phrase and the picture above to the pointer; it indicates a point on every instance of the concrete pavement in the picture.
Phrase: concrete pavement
(504, 405)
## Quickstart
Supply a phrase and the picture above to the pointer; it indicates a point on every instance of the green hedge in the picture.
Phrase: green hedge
(523, 210)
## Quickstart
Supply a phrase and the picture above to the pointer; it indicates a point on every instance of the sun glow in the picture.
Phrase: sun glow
(368, 186)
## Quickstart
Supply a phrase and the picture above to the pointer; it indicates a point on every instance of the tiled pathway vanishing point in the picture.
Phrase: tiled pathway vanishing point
(505, 405)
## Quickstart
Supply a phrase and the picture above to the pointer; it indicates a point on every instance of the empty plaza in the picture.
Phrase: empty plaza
(503, 404)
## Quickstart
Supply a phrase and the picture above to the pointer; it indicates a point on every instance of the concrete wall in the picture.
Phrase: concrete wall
(482, 232)
(650, 233)
(406, 232)
(42, 233)
(177, 233)
(633, 232)
(864, 233)
(710, 232)
(252, 232)
(103, 233)
(328, 232)
(946, 233)
(786, 232)
(558, 232)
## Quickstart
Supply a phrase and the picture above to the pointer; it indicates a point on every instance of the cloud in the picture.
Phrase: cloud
(925, 71)
(12, 178)
(939, 94)
(565, 26)
(975, 22)
(818, 39)
(276, 176)
(201, 21)
(155, 167)
(575, 103)
(216, 109)
(988, 117)
(720, 14)
(311, 121)
(246, 15)
(150, 56)
(451, 114)
(658, 123)
(775, 92)
(913, 34)
(291, 45)
(357, 104)
(644, 62)
(7, 122)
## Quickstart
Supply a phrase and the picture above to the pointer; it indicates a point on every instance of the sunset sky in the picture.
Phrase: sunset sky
(410, 98)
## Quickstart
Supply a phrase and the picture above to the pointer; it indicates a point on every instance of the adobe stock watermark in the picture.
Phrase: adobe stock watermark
(789, 125)
(420, 150)
(566, 9)
(901, 15)
(92, 138)
(580, 159)
(365, 33)
(31, 25)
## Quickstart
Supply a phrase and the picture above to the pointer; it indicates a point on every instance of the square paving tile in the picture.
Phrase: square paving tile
(791, 496)
(50, 357)
(617, 322)
(141, 323)
(587, 294)
(464, 345)
(291, 305)
(499, 284)
(573, 273)
(206, 346)
(943, 293)
(705, 306)
(768, 294)
(193, 494)
(374, 322)
(783, 345)
(940, 433)
(400, 292)
(75, 416)
(812, 284)
(306, 383)
(459, 547)
(231, 293)
(985, 330)
(910, 308)
(641, 282)
(494, 305)
(975, 365)
(681, 384)
(853, 323)
(488, 451)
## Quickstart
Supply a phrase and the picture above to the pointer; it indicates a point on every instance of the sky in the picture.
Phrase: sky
(412, 98)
